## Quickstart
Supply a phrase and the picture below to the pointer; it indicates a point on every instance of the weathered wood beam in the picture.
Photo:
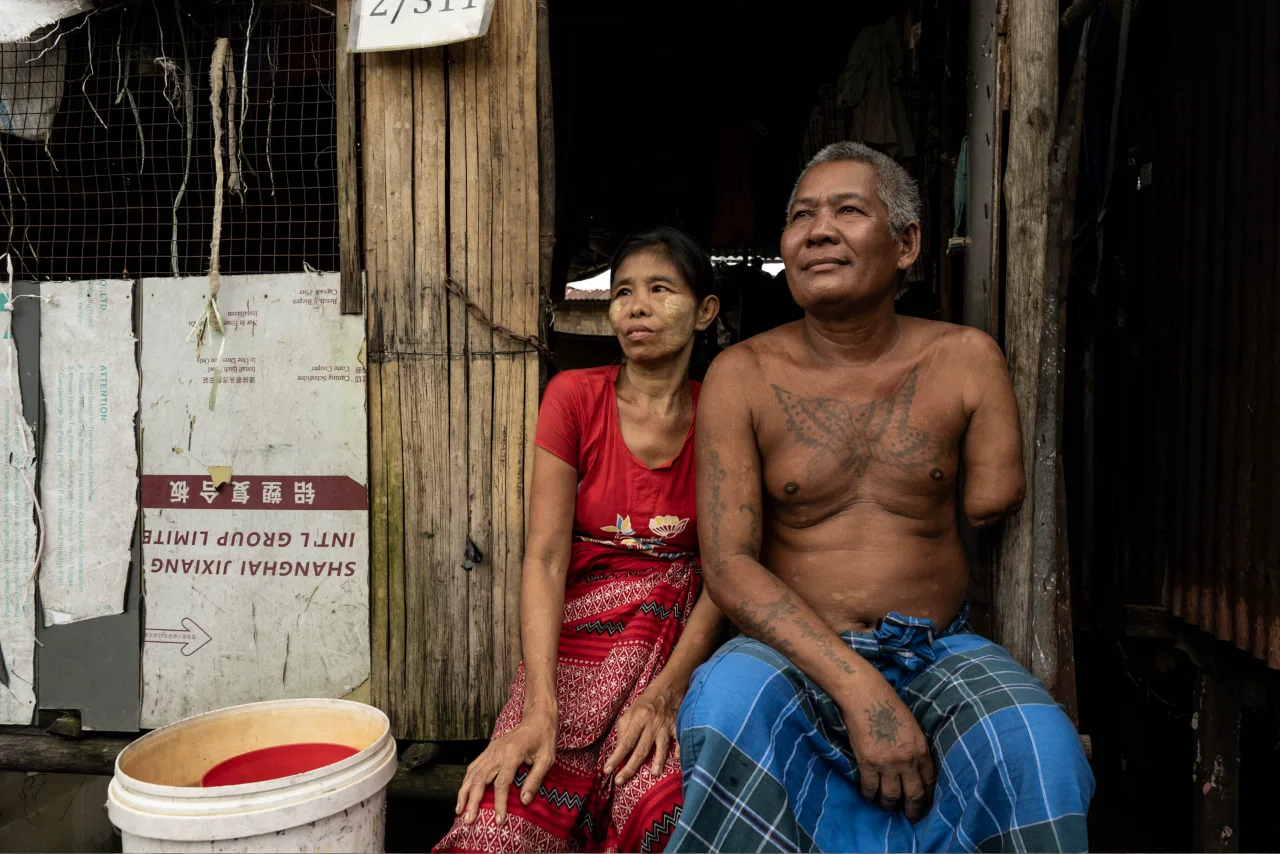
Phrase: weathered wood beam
(1217, 762)
(546, 152)
(1018, 582)
(351, 287)
(51, 754)
(982, 260)
(1050, 571)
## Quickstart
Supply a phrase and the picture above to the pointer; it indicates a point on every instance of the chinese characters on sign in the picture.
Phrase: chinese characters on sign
(257, 583)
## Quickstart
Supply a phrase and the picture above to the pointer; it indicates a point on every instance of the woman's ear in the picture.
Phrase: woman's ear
(707, 311)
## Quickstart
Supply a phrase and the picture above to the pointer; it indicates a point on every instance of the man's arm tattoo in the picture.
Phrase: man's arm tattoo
(761, 623)
(753, 534)
(885, 725)
(823, 641)
(715, 476)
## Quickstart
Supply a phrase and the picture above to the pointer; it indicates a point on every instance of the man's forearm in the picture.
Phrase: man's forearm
(767, 609)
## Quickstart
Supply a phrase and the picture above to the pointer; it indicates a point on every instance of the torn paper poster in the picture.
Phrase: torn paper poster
(89, 469)
(256, 580)
(32, 79)
(17, 538)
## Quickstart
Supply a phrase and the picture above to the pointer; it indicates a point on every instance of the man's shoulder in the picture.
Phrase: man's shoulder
(962, 344)
(748, 361)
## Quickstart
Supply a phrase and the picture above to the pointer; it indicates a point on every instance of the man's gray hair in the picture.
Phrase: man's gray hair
(896, 188)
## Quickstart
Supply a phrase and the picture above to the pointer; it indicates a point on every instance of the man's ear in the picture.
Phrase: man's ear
(908, 245)
(708, 309)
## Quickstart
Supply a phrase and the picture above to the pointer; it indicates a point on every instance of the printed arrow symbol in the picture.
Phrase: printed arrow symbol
(191, 636)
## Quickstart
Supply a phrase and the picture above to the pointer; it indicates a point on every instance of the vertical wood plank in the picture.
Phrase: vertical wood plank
(506, 235)
(379, 650)
(1217, 764)
(1033, 47)
(462, 152)
(438, 664)
(378, 325)
(480, 338)
(533, 61)
(983, 130)
(397, 118)
(352, 295)
(544, 158)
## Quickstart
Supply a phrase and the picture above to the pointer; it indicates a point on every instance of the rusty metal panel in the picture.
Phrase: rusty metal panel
(1218, 423)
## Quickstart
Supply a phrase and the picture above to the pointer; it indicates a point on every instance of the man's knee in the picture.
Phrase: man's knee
(744, 679)
(987, 706)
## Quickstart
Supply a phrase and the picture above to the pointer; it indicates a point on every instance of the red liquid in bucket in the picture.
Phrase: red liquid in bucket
(272, 763)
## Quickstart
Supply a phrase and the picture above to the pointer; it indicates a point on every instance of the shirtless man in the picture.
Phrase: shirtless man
(857, 711)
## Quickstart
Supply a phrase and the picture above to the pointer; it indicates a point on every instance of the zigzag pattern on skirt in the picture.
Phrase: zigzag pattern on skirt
(662, 828)
(661, 613)
(600, 627)
(554, 796)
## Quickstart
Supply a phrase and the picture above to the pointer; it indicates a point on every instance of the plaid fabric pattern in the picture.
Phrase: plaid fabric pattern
(768, 767)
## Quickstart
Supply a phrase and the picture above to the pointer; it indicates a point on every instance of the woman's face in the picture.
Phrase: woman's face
(653, 310)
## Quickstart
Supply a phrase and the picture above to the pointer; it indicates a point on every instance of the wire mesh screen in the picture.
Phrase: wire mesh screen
(108, 141)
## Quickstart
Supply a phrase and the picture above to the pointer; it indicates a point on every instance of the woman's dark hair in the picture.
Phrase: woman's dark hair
(688, 257)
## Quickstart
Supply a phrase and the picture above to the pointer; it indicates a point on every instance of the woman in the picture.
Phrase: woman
(613, 618)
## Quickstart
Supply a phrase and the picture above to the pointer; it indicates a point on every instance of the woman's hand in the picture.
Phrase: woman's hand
(647, 726)
(532, 743)
(893, 756)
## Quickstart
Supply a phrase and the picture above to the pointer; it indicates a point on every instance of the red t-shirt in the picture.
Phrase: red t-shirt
(625, 512)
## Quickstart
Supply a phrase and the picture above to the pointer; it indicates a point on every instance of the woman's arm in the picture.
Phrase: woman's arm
(700, 639)
(546, 565)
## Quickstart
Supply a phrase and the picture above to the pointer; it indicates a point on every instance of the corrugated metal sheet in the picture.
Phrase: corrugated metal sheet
(1214, 381)
(586, 295)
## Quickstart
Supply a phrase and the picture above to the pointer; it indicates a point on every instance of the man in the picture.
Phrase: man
(857, 712)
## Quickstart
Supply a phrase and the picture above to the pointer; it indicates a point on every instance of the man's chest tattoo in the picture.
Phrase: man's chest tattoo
(852, 436)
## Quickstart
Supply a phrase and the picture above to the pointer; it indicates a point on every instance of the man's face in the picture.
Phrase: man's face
(837, 246)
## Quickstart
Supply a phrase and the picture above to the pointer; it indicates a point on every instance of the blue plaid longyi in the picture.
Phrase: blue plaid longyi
(768, 767)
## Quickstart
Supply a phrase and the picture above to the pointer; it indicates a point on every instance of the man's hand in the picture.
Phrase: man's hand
(532, 743)
(893, 756)
(647, 727)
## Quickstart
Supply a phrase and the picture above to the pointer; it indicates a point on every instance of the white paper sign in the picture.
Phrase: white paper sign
(89, 470)
(402, 24)
(257, 588)
(17, 538)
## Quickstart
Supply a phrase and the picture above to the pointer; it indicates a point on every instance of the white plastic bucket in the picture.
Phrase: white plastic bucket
(157, 801)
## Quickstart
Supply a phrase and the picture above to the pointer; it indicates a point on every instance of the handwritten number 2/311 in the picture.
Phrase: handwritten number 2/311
(421, 7)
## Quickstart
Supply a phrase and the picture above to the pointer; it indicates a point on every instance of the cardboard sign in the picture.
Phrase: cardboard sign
(255, 539)
(89, 471)
(17, 539)
(403, 24)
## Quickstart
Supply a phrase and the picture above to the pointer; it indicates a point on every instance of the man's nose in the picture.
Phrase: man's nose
(822, 229)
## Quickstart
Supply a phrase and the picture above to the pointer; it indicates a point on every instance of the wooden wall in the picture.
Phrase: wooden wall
(450, 157)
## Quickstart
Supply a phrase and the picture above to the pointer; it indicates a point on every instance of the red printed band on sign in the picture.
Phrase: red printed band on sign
(254, 492)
